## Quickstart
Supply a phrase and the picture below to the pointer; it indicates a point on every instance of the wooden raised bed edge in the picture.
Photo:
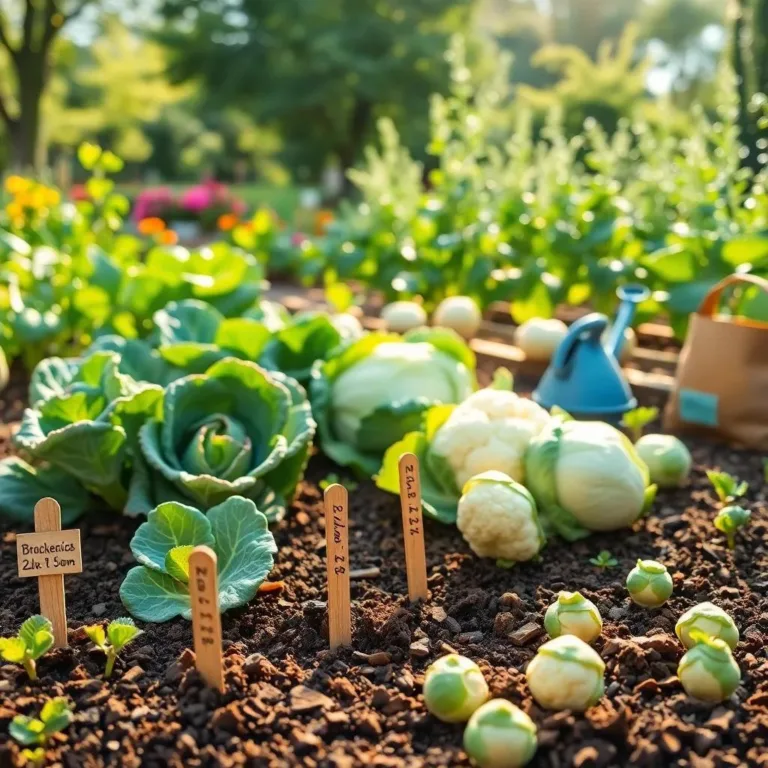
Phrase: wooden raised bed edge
(649, 372)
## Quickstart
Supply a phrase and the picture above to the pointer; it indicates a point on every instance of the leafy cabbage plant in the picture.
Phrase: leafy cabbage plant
(158, 589)
(236, 430)
(375, 391)
(82, 431)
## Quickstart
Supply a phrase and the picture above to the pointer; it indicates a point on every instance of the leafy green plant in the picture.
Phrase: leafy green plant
(727, 487)
(730, 520)
(637, 420)
(604, 560)
(332, 479)
(158, 588)
(375, 390)
(89, 430)
(236, 430)
(118, 634)
(35, 638)
(55, 716)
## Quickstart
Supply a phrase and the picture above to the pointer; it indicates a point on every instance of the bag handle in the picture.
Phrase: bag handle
(712, 299)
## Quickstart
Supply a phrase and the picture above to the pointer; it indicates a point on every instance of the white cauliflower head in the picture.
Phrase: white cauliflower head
(490, 430)
(498, 518)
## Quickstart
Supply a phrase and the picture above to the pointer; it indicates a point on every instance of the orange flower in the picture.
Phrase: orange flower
(151, 226)
(322, 219)
(168, 237)
(226, 222)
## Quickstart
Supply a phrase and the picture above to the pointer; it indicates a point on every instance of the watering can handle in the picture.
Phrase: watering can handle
(712, 300)
(590, 326)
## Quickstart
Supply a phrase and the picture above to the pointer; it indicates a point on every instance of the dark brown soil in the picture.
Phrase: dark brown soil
(290, 701)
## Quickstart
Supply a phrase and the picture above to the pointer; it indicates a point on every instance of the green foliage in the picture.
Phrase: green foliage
(502, 218)
(35, 638)
(333, 479)
(158, 590)
(322, 72)
(727, 487)
(118, 634)
(55, 716)
(637, 420)
(729, 520)
(604, 560)
(236, 430)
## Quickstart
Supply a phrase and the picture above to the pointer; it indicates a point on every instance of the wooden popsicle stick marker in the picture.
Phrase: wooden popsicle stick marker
(337, 554)
(48, 554)
(413, 526)
(206, 619)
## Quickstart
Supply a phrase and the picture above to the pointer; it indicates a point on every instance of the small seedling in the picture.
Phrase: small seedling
(333, 479)
(55, 716)
(118, 634)
(729, 520)
(727, 487)
(604, 560)
(637, 420)
(34, 639)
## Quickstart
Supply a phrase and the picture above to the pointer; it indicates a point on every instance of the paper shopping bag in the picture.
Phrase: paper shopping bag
(721, 389)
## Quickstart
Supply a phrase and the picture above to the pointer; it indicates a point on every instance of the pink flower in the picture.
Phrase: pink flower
(152, 202)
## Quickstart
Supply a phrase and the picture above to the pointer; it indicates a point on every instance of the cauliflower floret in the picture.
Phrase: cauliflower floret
(498, 518)
(490, 430)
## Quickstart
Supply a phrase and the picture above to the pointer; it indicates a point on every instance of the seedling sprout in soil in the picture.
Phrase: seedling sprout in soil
(34, 639)
(731, 519)
(604, 560)
(637, 420)
(727, 487)
(55, 716)
(118, 634)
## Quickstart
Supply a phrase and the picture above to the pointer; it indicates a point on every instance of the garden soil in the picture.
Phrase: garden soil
(290, 701)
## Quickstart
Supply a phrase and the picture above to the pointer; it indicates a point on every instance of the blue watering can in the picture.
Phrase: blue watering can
(584, 377)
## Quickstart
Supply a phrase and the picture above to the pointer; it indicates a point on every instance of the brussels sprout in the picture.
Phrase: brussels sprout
(566, 674)
(500, 735)
(708, 671)
(731, 519)
(649, 584)
(573, 614)
(669, 461)
(707, 619)
(454, 687)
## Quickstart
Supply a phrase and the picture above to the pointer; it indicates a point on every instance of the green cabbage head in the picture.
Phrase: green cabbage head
(374, 391)
(236, 430)
(586, 476)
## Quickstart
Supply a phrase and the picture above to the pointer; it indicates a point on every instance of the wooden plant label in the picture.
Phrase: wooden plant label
(206, 619)
(337, 548)
(48, 554)
(413, 526)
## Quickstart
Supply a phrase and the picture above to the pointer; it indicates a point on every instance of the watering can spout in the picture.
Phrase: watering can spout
(630, 295)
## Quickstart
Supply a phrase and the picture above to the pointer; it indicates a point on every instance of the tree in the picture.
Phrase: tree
(120, 82)
(27, 33)
(319, 72)
(749, 55)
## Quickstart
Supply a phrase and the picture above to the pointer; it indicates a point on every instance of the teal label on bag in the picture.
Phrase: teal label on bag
(698, 407)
